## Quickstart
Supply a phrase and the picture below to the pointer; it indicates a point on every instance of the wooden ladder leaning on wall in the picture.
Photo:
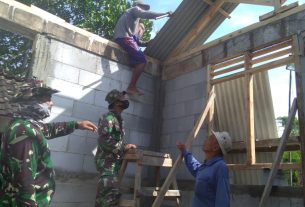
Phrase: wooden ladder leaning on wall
(143, 158)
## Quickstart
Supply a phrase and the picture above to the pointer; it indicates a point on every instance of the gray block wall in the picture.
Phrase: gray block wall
(83, 80)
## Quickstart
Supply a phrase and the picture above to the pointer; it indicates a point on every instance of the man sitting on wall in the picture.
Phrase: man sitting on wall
(26, 170)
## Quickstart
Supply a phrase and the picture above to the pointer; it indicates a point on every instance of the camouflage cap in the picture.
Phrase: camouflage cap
(115, 95)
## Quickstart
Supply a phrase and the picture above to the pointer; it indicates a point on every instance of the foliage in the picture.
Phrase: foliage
(293, 176)
(96, 16)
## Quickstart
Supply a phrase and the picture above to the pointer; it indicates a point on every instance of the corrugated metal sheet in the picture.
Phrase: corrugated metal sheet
(231, 106)
(176, 28)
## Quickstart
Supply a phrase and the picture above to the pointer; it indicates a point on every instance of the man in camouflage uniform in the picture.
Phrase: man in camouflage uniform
(26, 169)
(110, 150)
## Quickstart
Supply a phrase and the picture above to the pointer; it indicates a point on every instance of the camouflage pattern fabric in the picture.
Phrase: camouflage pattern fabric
(26, 169)
(108, 159)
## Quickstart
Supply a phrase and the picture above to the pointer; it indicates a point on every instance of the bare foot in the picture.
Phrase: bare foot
(134, 91)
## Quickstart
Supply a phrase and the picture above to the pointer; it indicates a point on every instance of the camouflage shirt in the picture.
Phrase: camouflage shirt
(110, 143)
(26, 169)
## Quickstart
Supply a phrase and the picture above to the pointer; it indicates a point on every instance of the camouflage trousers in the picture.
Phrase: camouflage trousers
(108, 194)
(41, 200)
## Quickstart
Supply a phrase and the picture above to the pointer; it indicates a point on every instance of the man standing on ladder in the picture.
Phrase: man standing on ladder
(212, 187)
(124, 34)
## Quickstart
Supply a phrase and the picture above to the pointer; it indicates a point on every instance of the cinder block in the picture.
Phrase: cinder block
(78, 145)
(143, 110)
(67, 161)
(73, 56)
(89, 165)
(73, 91)
(190, 79)
(239, 44)
(99, 99)
(87, 112)
(62, 71)
(146, 82)
(193, 92)
(58, 144)
(195, 106)
(62, 105)
(140, 138)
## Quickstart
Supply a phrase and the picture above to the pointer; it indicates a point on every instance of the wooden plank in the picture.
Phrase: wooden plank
(221, 11)
(227, 63)
(196, 50)
(211, 89)
(191, 137)
(260, 166)
(278, 10)
(257, 2)
(268, 145)
(279, 153)
(272, 56)
(127, 203)
(197, 28)
(151, 191)
(273, 47)
(154, 161)
(228, 70)
(268, 66)
(137, 184)
(298, 47)
(250, 131)
(149, 153)
(122, 171)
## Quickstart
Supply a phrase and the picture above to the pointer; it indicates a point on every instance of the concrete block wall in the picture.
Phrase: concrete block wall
(184, 99)
(83, 80)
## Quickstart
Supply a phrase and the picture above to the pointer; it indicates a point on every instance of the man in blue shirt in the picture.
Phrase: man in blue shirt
(212, 187)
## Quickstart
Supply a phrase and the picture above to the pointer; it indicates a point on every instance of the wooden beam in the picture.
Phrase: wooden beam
(171, 175)
(277, 4)
(267, 145)
(277, 11)
(279, 154)
(250, 131)
(221, 11)
(195, 51)
(272, 56)
(260, 166)
(258, 2)
(299, 64)
(197, 28)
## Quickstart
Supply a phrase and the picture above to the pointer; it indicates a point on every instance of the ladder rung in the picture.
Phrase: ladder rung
(127, 203)
(151, 191)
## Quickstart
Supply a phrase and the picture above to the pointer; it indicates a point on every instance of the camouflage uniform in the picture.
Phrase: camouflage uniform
(109, 153)
(27, 176)
(26, 169)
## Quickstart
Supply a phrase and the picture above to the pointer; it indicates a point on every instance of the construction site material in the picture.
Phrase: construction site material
(147, 158)
(279, 153)
(172, 174)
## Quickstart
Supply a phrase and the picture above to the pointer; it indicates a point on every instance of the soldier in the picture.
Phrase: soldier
(26, 169)
(110, 149)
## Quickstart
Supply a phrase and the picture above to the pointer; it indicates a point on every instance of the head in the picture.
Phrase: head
(218, 143)
(117, 101)
(34, 100)
(141, 4)
(141, 29)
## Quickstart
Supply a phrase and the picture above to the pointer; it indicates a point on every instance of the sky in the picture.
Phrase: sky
(244, 15)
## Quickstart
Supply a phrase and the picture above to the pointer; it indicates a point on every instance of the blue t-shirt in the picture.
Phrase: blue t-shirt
(212, 188)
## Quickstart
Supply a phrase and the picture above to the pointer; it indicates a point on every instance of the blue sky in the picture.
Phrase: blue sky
(244, 15)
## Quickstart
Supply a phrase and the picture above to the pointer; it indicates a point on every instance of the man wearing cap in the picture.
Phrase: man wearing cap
(125, 35)
(26, 169)
(212, 187)
(111, 149)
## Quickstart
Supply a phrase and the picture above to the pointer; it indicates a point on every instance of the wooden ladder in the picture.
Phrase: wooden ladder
(147, 158)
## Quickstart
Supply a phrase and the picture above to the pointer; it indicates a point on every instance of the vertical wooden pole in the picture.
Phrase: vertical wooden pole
(250, 136)
(277, 4)
(298, 47)
(210, 89)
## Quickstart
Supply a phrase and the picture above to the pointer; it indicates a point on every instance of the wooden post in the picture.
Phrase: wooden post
(277, 4)
(211, 89)
(191, 137)
(298, 46)
(250, 133)
(279, 154)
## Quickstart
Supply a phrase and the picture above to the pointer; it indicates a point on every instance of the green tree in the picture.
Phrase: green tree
(293, 157)
(96, 16)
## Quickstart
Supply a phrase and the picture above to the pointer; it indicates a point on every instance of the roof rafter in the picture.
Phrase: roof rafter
(259, 2)
(223, 12)
(198, 28)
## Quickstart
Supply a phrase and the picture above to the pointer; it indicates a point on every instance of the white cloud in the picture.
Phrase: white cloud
(243, 20)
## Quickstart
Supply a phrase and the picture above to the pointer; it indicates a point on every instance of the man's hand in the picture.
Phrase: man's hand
(129, 146)
(180, 146)
(86, 125)
(170, 14)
